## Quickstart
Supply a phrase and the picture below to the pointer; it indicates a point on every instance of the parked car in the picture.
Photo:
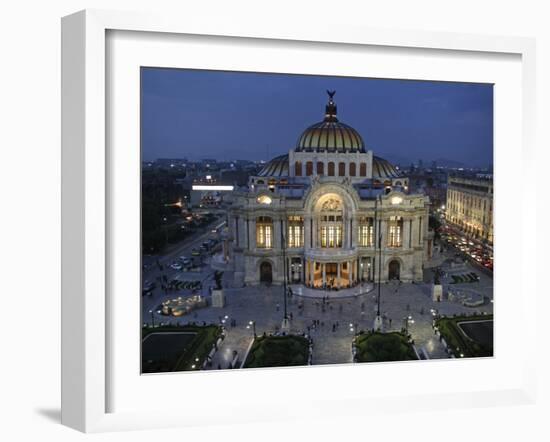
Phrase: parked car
(195, 252)
(185, 261)
(176, 265)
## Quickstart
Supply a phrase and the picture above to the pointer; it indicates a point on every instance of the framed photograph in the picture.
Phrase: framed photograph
(291, 222)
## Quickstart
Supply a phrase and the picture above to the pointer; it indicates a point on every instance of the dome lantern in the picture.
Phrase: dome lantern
(330, 135)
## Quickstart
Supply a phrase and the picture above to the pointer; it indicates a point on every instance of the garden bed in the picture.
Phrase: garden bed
(177, 348)
(383, 347)
(466, 339)
(278, 351)
(464, 278)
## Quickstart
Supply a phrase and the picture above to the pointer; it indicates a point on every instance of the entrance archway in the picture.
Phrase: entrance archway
(393, 270)
(266, 272)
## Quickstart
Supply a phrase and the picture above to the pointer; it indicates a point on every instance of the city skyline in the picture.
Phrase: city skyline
(234, 115)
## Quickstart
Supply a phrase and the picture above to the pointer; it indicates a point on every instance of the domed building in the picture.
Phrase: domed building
(312, 216)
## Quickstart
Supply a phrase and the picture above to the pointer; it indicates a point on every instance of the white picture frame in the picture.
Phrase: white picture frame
(86, 352)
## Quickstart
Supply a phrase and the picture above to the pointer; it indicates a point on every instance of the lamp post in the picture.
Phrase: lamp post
(378, 323)
(253, 324)
(286, 324)
(152, 318)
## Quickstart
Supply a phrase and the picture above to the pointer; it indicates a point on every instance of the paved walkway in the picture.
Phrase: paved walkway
(265, 306)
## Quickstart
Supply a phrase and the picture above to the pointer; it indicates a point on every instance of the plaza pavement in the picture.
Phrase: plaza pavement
(347, 314)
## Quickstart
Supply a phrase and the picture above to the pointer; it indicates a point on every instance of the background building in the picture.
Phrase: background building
(470, 206)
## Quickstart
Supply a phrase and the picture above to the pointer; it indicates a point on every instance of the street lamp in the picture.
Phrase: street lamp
(253, 324)
(152, 318)
(286, 324)
(378, 323)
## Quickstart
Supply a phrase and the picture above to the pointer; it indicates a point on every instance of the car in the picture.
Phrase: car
(195, 252)
(185, 261)
(176, 266)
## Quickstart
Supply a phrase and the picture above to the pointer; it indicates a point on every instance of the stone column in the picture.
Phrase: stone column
(312, 271)
(348, 232)
(338, 273)
(349, 273)
(307, 236)
(324, 273)
(405, 233)
(416, 234)
(252, 234)
(383, 231)
(353, 234)
(277, 240)
(242, 231)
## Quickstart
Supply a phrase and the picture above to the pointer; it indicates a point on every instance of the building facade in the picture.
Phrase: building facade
(329, 214)
(470, 206)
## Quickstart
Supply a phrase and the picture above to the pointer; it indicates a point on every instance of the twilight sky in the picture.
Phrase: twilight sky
(234, 115)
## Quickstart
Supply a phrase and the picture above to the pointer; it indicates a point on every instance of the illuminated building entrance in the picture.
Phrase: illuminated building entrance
(331, 275)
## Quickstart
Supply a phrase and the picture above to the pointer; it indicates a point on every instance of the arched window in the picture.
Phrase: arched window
(298, 168)
(363, 169)
(320, 168)
(352, 169)
(341, 169)
(264, 232)
(309, 168)
(331, 169)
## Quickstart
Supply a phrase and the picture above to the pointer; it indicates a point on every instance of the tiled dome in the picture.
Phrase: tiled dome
(382, 169)
(277, 167)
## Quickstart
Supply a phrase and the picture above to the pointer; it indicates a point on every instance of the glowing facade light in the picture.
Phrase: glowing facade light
(396, 200)
(264, 199)
(213, 187)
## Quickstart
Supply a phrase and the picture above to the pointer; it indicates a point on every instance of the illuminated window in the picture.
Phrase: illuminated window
(295, 231)
(395, 229)
(366, 232)
(264, 232)
(331, 224)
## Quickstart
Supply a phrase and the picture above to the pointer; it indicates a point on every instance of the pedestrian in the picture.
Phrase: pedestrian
(390, 322)
(277, 306)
